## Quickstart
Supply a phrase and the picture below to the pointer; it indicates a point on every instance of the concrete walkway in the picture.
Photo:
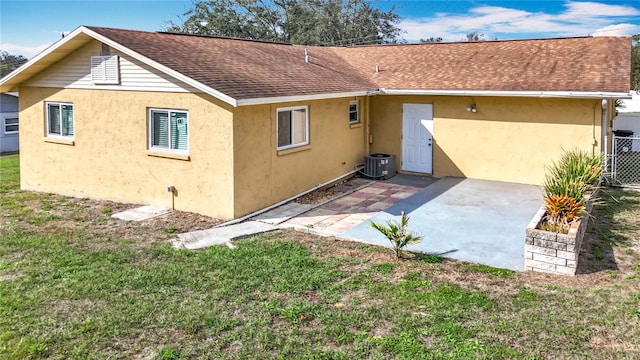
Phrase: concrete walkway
(221, 235)
(465, 219)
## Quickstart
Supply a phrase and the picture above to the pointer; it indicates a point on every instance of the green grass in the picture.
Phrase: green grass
(77, 293)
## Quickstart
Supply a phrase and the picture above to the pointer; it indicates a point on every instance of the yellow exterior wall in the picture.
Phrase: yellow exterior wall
(507, 139)
(264, 176)
(109, 158)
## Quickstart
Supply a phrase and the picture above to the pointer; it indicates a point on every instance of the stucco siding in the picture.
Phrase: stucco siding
(264, 175)
(109, 158)
(74, 72)
(507, 139)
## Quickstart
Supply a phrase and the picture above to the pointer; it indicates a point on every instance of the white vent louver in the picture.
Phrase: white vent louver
(105, 69)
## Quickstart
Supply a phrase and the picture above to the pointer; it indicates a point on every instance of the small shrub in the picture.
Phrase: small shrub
(561, 211)
(170, 230)
(398, 234)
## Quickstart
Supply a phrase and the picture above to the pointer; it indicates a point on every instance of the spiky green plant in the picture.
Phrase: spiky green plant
(576, 173)
(566, 184)
(398, 233)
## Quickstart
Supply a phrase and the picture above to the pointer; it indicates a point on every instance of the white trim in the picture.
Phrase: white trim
(10, 116)
(124, 88)
(357, 104)
(294, 98)
(47, 119)
(41, 55)
(187, 80)
(538, 94)
(123, 49)
(168, 149)
(306, 133)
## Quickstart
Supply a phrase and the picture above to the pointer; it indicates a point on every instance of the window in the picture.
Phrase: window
(104, 70)
(169, 130)
(354, 115)
(293, 127)
(11, 125)
(59, 119)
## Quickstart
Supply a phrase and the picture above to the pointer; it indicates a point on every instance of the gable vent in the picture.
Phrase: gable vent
(105, 69)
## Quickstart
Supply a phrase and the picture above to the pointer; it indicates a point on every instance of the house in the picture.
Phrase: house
(9, 122)
(225, 127)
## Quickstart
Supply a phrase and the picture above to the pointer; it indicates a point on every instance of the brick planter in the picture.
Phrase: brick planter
(551, 252)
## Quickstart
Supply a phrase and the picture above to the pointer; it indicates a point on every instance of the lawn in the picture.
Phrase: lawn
(76, 284)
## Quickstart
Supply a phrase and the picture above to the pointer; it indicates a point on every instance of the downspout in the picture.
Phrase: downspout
(604, 141)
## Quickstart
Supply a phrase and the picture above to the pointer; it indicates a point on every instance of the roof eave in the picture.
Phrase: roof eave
(175, 74)
(535, 94)
(294, 98)
(35, 65)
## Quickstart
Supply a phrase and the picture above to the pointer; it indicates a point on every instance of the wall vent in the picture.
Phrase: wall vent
(379, 166)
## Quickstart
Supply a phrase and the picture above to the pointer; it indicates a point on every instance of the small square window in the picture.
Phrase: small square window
(169, 130)
(293, 127)
(59, 117)
(354, 114)
(11, 125)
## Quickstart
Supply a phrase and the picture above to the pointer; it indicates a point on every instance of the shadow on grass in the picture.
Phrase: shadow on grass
(611, 225)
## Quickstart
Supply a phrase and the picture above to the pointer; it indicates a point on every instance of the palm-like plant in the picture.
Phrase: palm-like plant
(398, 233)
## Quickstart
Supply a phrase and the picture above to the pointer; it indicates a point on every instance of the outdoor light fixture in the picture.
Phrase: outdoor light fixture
(472, 108)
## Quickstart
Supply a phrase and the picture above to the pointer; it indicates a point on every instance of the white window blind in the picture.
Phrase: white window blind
(105, 69)
(60, 119)
(169, 130)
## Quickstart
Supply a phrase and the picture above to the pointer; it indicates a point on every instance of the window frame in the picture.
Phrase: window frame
(150, 131)
(10, 116)
(291, 109)
(357, 112)
(47, 105)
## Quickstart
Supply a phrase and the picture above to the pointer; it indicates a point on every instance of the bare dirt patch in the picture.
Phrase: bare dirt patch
(59, 214)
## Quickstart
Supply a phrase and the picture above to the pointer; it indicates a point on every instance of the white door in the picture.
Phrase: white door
(417, 138)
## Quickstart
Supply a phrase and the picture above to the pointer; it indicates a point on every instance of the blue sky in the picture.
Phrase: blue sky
(28, 27)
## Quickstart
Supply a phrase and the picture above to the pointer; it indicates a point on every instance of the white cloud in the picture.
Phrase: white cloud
(617, 29)
(26, 51)
(579, 18)
(578, 9)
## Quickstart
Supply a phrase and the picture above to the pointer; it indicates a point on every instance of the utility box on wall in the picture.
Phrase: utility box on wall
(380, 166)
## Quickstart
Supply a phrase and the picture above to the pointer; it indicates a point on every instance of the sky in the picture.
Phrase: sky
(28, 27)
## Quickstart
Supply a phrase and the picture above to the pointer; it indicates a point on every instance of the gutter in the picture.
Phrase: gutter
(535, 94)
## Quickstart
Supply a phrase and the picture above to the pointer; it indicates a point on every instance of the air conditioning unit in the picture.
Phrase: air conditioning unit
(379, 166)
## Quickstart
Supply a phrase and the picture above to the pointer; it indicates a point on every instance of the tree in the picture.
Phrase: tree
(306, 22)
(635, 63)
(474, 36)
(9, 62)
(431, 40)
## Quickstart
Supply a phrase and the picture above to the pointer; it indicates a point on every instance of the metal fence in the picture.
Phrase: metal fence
(625, 161)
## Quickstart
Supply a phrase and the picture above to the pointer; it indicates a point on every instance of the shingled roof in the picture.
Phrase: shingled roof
(243, 71)
(583, 64)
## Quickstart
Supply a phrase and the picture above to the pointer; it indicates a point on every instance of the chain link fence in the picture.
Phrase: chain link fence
(625, 161)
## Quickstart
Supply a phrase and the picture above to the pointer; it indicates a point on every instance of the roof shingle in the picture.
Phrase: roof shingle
(245, 69)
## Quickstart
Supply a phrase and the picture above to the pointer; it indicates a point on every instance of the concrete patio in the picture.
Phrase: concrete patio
(471, 220)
